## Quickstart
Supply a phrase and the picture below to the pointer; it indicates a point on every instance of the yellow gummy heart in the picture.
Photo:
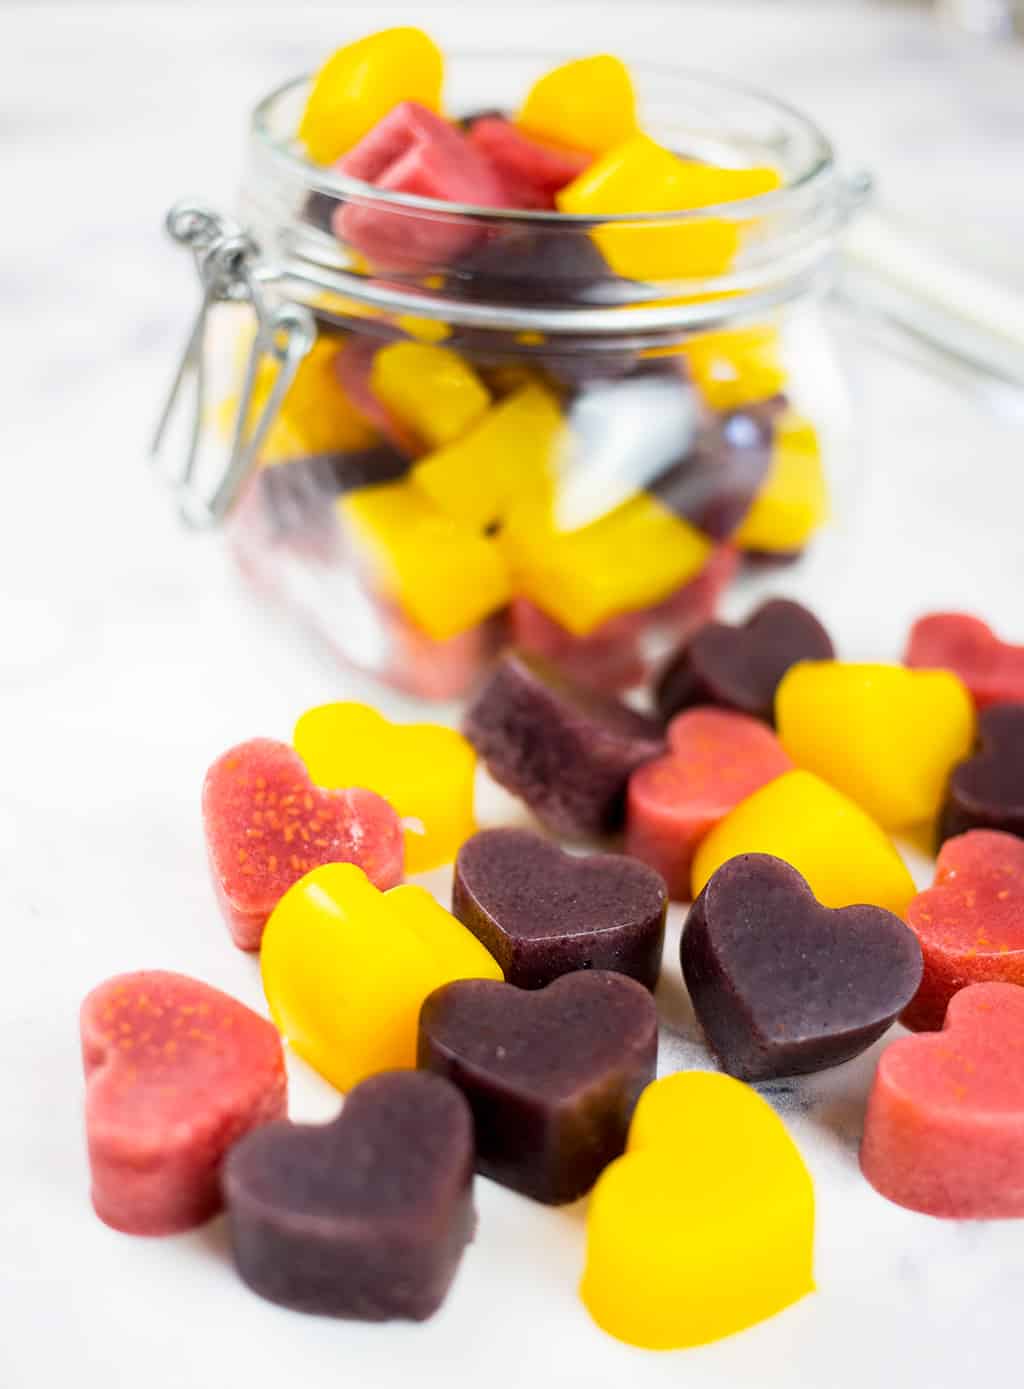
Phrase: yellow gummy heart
(845, 857)
(589, 104)
(360, 83)
(509, 455)
(446, 576)
(431, 389)
(886, 736)
(793, 499)
(346, 969)
(424, 770)
(706, 1225)
(641, 176)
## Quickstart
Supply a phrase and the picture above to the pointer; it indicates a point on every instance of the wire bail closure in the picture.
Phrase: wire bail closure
(226, 261)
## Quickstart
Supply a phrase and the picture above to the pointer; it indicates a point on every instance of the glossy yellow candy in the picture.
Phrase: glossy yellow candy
(735, 366)
(361, 82)
(706, 1225)
(346, 969)
(886, 736)
(508, 457)
(426, 771)
(641, 176)
(446, 576)
(588, 104)
(793, 499)
(630, 558)
(431, 389)
(843, 854)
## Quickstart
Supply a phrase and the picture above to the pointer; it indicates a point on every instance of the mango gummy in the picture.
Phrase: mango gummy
(362, 82)
(641, 176)
(706, 1225)
(792, 502)
(431, 389)
(445, 576)
(588, 104)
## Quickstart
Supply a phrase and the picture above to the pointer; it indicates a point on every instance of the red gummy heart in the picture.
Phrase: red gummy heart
(175, 1073)
(944, 1132)
(970, 924)
(545, 166)
(716, 759)
(267, 825)
(992, 670)
(414, 151)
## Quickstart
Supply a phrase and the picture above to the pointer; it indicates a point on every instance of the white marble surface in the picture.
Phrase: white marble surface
(130, 659)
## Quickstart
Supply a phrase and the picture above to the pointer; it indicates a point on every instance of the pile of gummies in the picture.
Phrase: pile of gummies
(516, 1035)
(484, 488)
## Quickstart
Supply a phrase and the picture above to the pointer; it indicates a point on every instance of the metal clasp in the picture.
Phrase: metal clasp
(226, 262)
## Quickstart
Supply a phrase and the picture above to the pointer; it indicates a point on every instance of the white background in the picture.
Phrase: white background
(130, 660)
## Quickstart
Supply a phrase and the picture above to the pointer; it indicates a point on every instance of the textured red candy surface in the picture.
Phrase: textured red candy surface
(267, 825)
(547, 167)
(414, 151)
(175, 1073)
(970, 923)
(716, 759)
(992, 670)
(944, 1132)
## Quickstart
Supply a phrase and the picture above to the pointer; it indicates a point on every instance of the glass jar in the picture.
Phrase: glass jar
(456, 427)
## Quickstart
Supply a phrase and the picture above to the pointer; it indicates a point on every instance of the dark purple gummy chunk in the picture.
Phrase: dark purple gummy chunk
(295, 492)
(566, 750)
(740, 667)
(782, 985)
(552, 1077)
(986, 791)
(532, 265)
(542, 912)
(365, 1217)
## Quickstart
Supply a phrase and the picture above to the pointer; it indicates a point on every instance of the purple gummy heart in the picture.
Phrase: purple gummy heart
(784, 986)
(740, 667)
(552, 1077)
(566, 750)
(986, 791)
(542, 912)
(365, 1217)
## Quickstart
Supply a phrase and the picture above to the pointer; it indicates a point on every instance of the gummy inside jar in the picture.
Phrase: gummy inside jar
(429, 491)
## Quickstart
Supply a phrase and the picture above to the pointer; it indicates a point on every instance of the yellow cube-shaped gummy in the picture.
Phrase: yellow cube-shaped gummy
(630, 558)
(431, 389)
(792, 502)
(360, 83)
(424, 770)
(346, 969)
(706, 1225)
(888, 737)
(641, 176)
(508, 458)
(588, 104)
(446, 576)
(844, 855)
(735, 366)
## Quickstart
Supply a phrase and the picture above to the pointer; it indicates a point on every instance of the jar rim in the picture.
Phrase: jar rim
(820, 165)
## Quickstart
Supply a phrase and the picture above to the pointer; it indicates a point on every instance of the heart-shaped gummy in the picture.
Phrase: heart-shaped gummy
(782, 985)
(566, 750)
(716, 759)
(551, 1076)
(987, 790)
(365, 1217)
(741, 667)
(267, 825)
(970, 924)
(346, 969)
(706, 1225)
(542, 912)
(944, 1131)
(175, 1072)
(992, 670)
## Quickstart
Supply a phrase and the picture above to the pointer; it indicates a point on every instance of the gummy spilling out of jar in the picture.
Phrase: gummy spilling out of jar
(430, 491)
